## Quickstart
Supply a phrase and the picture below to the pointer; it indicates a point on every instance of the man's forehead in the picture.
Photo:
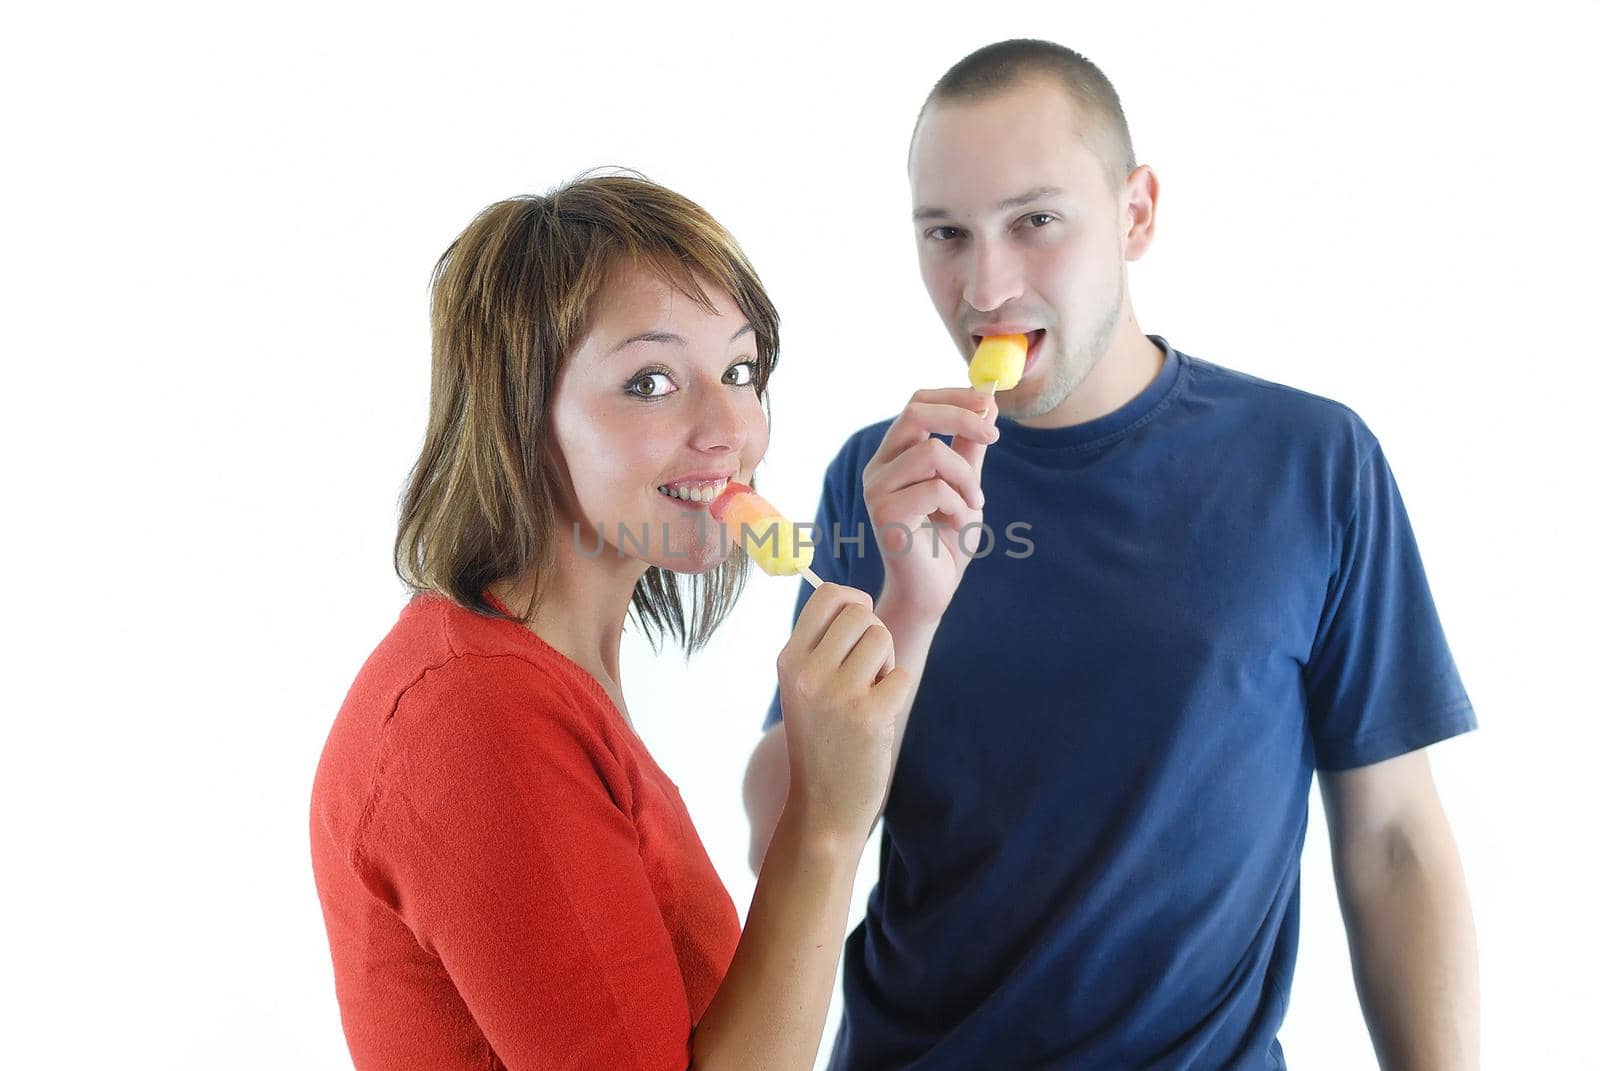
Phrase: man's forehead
(989, 152)
(1015, 111)
(982, 182)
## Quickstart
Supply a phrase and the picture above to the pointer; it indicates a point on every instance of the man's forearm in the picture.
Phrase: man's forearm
(1414, 953)
(913, 632)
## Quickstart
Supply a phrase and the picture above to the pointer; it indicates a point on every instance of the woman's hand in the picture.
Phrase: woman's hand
(841, 694)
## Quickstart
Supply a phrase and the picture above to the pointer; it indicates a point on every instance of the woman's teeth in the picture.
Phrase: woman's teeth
(694, 492)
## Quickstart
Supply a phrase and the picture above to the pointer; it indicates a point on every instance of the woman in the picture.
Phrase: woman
(507, 878)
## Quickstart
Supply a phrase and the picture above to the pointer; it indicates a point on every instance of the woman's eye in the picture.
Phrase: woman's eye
(651, 385)
(742, 374)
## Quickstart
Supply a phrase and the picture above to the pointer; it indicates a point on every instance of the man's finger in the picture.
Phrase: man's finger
(919, 420)
(927, 460)
(971, 449)
(916, 505)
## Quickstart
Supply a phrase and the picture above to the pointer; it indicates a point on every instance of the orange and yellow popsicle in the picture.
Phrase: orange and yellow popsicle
(770, 539)
(998, 362)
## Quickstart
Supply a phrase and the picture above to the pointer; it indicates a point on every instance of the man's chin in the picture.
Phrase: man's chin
(1031, 401)
(1027, 397)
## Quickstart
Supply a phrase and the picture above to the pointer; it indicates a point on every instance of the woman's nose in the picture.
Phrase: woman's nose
(720, 420)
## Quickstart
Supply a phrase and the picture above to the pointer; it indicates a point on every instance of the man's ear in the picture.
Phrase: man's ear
(1140, 194)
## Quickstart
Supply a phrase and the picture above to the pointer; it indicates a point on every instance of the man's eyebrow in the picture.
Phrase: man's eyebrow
(925, 212)
(671, 339)
(1038, 193)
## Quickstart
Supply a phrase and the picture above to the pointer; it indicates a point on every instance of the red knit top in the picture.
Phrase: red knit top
(508, 879)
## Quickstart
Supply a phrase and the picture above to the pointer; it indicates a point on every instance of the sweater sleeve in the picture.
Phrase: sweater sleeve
(500, 833)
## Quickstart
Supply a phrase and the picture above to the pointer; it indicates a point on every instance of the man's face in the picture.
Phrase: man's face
(1018, 232)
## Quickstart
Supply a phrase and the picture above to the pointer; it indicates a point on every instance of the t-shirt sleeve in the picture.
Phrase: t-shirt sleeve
(836, 531)
(1380, 679)
(502, 839)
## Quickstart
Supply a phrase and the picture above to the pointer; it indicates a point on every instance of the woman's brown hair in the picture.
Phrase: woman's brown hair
(512, 297)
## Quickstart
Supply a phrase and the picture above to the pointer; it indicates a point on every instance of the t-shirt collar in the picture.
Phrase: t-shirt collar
(1111, 424)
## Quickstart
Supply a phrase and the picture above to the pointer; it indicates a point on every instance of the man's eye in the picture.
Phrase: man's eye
(1039, 219)
(651, 385)
(742, 374)
(944, 234)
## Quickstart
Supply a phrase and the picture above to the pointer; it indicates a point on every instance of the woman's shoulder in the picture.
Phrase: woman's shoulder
(447, 686)
(446, 664)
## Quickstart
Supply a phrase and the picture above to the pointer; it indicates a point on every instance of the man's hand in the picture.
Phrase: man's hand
(921, 493)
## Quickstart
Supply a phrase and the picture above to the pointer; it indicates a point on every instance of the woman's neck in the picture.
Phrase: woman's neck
(582, 606)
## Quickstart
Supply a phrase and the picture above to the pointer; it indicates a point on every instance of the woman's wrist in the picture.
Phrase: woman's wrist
(817, 836)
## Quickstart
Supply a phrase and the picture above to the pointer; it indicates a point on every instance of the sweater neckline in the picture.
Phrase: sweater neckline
(583, 677)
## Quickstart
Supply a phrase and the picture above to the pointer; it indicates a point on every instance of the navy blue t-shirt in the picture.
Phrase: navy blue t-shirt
(1091, 849)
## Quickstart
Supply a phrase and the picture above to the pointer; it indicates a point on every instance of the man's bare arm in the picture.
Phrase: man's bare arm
(1407, 918)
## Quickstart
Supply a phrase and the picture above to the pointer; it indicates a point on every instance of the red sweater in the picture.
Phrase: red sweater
(507, 878)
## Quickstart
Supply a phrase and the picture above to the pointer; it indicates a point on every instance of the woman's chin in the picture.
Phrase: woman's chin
(693, 560)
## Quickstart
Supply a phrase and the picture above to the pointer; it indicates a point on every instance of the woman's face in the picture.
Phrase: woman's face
(657, 407)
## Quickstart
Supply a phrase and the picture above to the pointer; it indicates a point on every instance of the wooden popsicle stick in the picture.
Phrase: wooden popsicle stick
(989, 394)
(805, 571)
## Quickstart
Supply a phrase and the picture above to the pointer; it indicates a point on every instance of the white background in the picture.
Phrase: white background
(219, 224)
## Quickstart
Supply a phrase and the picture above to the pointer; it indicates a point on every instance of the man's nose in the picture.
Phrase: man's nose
(994, 277)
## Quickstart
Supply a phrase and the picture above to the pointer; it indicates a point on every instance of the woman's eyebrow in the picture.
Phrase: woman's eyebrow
(671, 339)
(647, 336)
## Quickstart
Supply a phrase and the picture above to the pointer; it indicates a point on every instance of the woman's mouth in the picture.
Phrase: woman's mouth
(693, 494)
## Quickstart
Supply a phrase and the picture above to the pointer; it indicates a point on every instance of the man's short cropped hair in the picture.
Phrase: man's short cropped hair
(1006, 64)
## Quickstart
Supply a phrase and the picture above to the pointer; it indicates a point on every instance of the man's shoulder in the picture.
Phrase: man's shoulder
(1261, 406)
(1278, 410)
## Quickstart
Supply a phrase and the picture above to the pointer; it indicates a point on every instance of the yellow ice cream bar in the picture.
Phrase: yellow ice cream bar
(771, 540)
(999, 360)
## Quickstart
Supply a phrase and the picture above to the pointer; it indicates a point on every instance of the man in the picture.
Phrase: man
(1200, 588)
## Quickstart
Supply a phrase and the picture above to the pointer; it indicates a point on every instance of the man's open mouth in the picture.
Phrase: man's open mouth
(1035, 340)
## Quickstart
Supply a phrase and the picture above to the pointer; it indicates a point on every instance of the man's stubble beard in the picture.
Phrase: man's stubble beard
(1072, 368)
